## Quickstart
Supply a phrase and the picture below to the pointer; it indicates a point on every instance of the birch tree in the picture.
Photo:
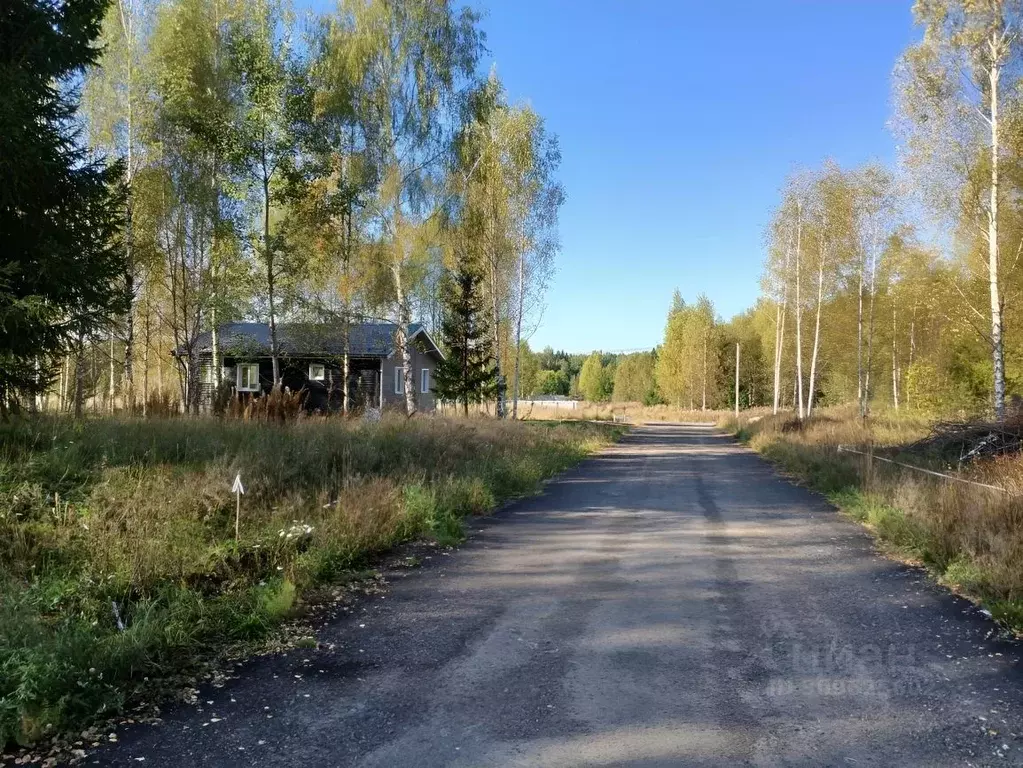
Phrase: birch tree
(876, 226)
(832, 216)
(417, 54)
(955, 89)
(787, 237)
(190, 215)
(261, 52)
(326, 211)
(115, 103)
(775, 284)
(511, 201)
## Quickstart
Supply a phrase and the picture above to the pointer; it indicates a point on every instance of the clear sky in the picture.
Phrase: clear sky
(678, 122)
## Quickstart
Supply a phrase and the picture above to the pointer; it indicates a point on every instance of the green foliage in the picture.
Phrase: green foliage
(596, 381)
(61, 209)
(634, 379)
(467, 374)
(551, 383)
(685, 372)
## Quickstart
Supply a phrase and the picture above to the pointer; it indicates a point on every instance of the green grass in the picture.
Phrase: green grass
(111, 519)
(970, 539)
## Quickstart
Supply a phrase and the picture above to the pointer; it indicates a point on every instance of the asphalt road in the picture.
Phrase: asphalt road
(670, 602)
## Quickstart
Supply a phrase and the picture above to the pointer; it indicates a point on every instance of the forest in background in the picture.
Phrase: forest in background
(887, 286)
(882, 286)
(336, 167)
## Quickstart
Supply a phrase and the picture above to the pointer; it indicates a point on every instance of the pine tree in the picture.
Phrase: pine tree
(60, 208)
(467, 374)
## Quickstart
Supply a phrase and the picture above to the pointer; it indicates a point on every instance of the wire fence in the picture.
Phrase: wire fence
(844, 449)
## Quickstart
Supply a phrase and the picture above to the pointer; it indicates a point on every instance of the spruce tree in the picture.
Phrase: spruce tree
(467, 374)
(60, 207)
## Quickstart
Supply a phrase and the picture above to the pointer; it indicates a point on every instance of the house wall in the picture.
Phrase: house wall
(321, 395)
(420, 360)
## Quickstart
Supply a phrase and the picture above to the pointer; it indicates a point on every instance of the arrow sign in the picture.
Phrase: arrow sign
(237, 489)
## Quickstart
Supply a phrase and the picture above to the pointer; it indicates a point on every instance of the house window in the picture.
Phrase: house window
(248, 377)
(399, 381)
(425, 381)
(317, 372)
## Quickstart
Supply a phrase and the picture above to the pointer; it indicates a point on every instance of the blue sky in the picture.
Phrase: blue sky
(678, 122)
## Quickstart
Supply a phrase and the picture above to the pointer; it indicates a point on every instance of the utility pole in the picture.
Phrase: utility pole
(736, 381)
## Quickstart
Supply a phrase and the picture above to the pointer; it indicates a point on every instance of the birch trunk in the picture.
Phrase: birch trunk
(111, 390)
(79, 375)
(997, 351)
(145, 360)
(895, 360)
(495, 309)
(737, 383)
(870, 326)
(346, 260)
(912, 351)
(402, 340)
(704, 370)
(518, 336)
(214, 257)
(270, 279)
(128, 27)
(859, 334)
(215, 342)
(779, 346)
(817, 328)
(799, 315)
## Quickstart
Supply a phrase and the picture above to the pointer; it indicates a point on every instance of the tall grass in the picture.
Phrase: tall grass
(970, 538)
(117, 548)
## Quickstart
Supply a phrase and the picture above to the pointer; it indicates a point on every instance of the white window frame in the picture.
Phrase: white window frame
(323, 372)
(424, 381)
(399, 380)
(240, 368)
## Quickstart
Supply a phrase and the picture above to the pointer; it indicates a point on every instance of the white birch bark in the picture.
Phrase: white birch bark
(518, 334)
(997, 351)
(895, 359)
(822, 258)
(799, 314)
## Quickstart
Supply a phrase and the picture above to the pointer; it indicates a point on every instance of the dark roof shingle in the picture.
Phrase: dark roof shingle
(253, 339)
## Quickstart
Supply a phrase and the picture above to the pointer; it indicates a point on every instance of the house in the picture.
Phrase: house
(312, 359)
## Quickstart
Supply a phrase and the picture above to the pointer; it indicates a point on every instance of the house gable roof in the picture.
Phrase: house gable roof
(309, 340)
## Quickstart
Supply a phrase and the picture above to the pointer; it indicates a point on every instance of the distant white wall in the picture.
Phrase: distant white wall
(555, 405)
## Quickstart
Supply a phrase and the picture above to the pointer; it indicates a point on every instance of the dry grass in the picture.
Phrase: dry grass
(970, 538)
(631, 413)
(135, 519)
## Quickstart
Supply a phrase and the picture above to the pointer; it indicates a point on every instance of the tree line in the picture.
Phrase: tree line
(892, 286)
(249, 163)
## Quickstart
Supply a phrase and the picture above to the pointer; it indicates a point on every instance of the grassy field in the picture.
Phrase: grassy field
(969, 538)
(632, 413)
(118, 554)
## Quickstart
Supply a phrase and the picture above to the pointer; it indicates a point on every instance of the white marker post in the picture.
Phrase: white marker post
(238, 489)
